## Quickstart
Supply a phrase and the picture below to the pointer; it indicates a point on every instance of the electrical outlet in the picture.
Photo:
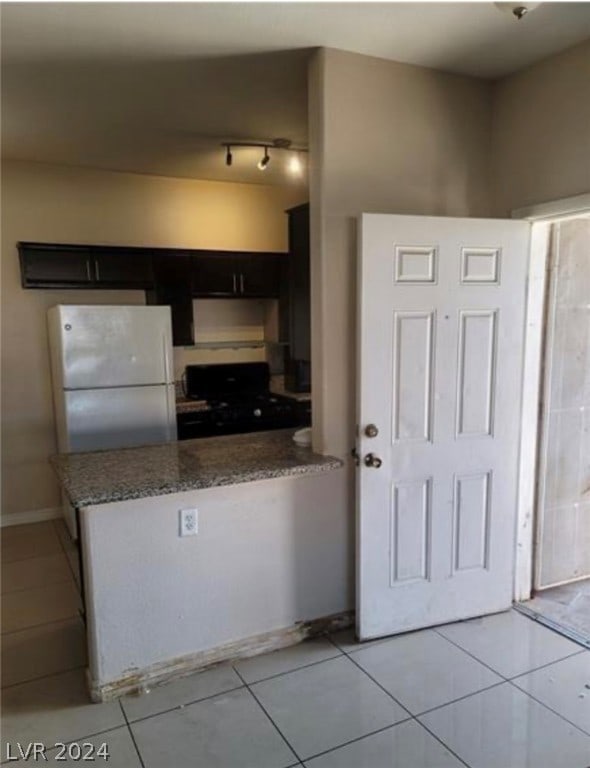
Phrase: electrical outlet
(188, 522)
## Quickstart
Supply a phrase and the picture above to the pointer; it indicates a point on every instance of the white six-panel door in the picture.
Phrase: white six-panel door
(441, 339)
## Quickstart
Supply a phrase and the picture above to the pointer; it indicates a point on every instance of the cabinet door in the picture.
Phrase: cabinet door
(123, 267)
(259, 274)
(214, 274)
(55, 266)
(172, 276)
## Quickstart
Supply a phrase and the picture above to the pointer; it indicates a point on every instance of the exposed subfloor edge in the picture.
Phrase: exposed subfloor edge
(568, 632)
(162, 672)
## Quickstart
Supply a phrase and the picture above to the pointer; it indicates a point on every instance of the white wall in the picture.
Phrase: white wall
(540, 147)
(268, 554)
(385, 138)
(59, 204)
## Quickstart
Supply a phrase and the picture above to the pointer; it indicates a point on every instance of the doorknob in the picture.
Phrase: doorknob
(371, 430)
(372, 461)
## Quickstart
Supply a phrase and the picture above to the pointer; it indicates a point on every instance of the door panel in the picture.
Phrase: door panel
(477, 358)
(441, 311)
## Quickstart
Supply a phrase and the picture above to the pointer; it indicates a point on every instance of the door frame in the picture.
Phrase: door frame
(541, 216)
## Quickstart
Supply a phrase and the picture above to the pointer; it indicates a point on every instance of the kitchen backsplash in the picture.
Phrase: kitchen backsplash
(227, 320)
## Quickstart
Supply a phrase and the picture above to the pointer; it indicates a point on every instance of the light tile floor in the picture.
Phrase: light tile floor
(497, 692)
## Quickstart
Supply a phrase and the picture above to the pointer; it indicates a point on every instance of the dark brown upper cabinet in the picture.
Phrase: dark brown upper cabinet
(299, 288)
(124, 267)
(213, 274)
(48, 265)
(231, 274)
(54, 266)
(172, 286)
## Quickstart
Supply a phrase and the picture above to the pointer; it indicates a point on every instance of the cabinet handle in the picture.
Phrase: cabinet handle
(241, 283)
(96, 269)
(88, 271)
(234, 281)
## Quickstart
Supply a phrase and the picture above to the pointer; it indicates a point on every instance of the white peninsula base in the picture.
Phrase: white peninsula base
(269, 557)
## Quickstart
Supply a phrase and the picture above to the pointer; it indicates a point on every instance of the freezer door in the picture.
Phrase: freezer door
(98, 419)
(109, 346)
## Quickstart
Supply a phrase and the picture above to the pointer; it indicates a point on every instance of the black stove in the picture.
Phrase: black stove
(237, 399)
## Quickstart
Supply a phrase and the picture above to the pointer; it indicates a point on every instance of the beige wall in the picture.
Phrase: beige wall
(541, 132)
(390, 138)
(58, 204)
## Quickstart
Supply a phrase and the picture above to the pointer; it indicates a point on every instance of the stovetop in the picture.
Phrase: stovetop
(233, 400)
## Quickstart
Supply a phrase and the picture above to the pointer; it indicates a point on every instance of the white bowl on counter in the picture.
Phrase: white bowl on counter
(303, 437)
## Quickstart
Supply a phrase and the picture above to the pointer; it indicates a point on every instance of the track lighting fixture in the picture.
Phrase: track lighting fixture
(518, 10)
(294, 164)
(265, 160)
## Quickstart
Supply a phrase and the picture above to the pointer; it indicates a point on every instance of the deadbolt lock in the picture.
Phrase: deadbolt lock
(372, 461)
(371, 430)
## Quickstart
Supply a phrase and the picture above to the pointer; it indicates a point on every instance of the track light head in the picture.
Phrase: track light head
(295, 166)
(264, 161)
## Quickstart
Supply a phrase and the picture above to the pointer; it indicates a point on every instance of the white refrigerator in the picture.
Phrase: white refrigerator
(113, 378)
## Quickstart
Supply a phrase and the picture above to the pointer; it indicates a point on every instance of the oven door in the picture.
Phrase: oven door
(193, 424)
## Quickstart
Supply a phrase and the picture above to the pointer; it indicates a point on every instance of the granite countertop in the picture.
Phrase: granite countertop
(101, 477)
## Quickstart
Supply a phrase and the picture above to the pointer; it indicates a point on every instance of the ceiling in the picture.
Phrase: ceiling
(155, 87)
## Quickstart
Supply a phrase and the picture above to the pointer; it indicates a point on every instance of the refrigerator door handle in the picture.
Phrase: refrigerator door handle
(167, 376)
(171, 407)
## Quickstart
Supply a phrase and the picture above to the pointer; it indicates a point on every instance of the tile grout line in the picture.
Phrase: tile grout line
(65, 554)
(288, 671)
(61, 620)
(412, 717)
(555, 712)
(274, 725)
(183, 705)
(130, 731)
(502, 681)
(359, 738)
(391, 696)
(483, 663)
(510, 680)
(442, 743)
(544, 666)
(460, 698)
(520, 674)
(44, 624)
(43, 677)
(55, 551)
(26, 589)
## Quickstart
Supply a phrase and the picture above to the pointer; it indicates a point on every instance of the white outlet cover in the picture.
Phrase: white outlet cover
(188, 520)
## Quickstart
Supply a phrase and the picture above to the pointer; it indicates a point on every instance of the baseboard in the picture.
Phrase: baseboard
(142, 680)
(33, 516)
